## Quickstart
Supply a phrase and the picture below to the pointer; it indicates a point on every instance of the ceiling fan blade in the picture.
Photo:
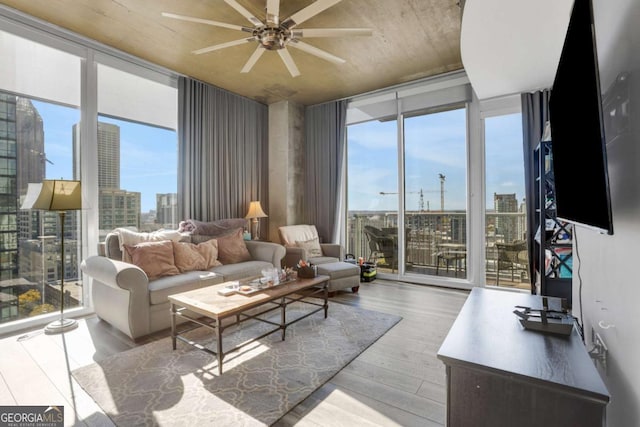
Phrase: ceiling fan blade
(331, 32)
(207, 21)
(288, 61)
(253, 59)
(315, 51)
(273, 12)
(223, 45)
(244, 12)
(308, 12)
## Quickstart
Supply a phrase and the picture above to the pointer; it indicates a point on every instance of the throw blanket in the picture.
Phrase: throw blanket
(212, 228)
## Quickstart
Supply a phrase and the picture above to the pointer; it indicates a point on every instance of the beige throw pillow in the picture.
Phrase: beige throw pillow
(312, 247)
(232, 249)
(189, 256)
(154, 258)
(132, 238)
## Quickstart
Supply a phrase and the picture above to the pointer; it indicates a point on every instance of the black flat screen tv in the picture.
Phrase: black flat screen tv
(578, 145)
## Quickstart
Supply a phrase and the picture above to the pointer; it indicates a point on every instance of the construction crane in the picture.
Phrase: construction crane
(421, 193)
(442, 178)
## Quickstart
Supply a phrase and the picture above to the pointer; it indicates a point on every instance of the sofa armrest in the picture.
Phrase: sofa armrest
(293, 255)
(120, 293)
(266, 251)
(116, 274)
(333, 249)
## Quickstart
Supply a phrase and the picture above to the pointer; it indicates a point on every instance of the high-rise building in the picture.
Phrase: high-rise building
(108, 154)
(8, 188)
(117, 207)
(22, 160)
(167, 210)
(506, 224)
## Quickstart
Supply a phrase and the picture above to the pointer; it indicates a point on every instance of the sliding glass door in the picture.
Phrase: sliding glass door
(372, 197)
(438, 176)
(435, 193)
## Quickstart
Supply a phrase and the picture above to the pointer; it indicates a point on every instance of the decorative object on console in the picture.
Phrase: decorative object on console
(255, 212)
(61, 196)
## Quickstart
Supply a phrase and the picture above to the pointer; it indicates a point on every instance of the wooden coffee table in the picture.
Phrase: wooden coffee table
(206, 308)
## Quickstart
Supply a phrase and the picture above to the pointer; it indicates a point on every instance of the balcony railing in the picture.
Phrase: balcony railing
(435, 242)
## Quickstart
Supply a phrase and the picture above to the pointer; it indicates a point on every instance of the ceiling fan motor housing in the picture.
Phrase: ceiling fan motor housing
(272, 38)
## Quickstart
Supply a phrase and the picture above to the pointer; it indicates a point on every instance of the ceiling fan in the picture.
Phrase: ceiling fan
(275, 35)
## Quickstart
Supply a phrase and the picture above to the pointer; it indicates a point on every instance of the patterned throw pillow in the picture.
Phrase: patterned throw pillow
(190, 257)
(311, 247)
(232, 249)
(154, 258)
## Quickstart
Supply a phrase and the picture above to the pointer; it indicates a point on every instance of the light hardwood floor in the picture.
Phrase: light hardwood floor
(398, 381)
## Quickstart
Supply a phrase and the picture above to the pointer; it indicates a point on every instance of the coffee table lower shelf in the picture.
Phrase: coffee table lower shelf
(205, 308)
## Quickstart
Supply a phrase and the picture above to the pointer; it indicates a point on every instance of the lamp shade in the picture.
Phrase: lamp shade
(255, 211)
(53, 195)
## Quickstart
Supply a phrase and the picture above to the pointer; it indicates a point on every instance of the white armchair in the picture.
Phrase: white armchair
(302, 242)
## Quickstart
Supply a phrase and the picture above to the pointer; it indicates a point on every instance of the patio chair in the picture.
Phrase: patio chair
(382, 246)
(512, 256)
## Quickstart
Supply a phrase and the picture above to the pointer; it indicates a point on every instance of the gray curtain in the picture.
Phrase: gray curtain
(535, 113)
(222, 152)
(325, 133)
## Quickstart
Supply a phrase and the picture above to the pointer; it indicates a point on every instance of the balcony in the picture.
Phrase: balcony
(435, 244)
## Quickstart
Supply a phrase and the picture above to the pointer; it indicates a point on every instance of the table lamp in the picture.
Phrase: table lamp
(255, 212)
(61, 196)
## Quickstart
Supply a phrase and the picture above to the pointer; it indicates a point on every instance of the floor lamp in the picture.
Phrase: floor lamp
(255, 212)
(61, 196)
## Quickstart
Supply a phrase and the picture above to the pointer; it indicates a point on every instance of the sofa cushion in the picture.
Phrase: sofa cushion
(311, 247)
(322, 260)
(154, 258)
(190, 257)
(232, 249)
(161, 288)
(242, 270)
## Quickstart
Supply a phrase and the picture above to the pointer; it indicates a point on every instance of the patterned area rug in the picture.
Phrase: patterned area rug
(153, 385)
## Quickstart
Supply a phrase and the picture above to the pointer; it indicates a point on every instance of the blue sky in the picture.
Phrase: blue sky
(148, 160)
(435, 144)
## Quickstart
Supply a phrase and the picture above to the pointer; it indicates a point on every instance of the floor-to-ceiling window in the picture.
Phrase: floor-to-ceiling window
(372, 197)
(39, 103)
(505, 219)
(451, 176)
(435, 188)
(137, 151)
(73, 109)
(407, 179)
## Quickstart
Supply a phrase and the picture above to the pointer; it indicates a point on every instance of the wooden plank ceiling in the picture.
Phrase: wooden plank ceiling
(411, 39)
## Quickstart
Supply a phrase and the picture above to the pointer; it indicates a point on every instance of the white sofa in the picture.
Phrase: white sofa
(124, 296)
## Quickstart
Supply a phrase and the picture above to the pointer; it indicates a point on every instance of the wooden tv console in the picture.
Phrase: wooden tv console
(499, 374)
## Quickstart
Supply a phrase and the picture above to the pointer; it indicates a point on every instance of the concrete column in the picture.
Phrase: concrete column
(286, 173)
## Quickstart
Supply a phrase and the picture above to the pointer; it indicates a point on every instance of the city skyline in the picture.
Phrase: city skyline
(149, 155)
(150, 163)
